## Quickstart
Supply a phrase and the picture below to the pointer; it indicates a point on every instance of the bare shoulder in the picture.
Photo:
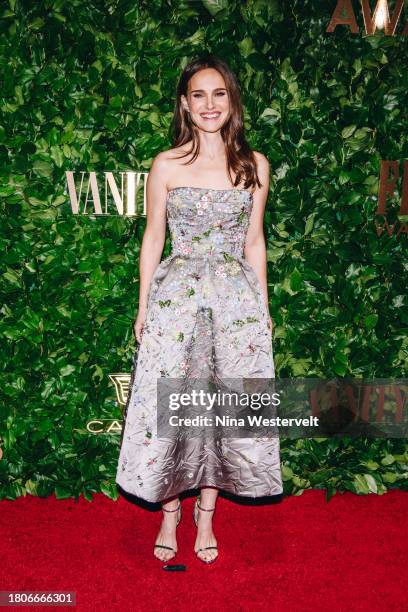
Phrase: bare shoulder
(170, 155)
(160, 162)
(262, 163)
(161, 167)
(165, 162)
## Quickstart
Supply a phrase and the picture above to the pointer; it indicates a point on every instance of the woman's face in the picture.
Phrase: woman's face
(207, 99)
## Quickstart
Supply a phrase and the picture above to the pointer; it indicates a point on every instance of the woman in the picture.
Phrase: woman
(202, 310)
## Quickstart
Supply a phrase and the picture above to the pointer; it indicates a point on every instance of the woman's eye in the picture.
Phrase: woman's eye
(198, 95)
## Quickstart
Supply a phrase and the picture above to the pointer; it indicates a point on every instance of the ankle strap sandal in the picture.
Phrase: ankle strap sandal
(178, 509)
(197, 507)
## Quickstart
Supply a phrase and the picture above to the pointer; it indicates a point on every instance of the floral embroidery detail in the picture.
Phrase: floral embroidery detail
(241, 322)
(222, 217)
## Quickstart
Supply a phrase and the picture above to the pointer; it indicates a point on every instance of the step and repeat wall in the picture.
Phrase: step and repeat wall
(87, 99)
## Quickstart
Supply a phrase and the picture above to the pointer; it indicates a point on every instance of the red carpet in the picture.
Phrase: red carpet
(300, 554)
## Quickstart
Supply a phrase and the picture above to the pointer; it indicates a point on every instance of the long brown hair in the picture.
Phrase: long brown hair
(240, 157)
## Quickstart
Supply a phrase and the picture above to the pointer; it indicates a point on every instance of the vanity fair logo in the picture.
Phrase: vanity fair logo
(86, 198)
(389, 174)
(380, 19)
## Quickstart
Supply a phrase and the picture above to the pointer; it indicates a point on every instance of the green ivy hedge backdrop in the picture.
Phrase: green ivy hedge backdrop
(91, 86)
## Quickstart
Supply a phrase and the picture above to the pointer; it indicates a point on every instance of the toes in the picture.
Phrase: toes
(163, 555)
(207, 556)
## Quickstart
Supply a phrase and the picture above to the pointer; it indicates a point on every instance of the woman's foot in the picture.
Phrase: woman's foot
(205, 535)
(165, 547)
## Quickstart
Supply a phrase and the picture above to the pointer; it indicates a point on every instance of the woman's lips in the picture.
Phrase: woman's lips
(210, 116)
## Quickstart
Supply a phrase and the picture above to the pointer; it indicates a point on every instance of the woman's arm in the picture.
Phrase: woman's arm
(255, 247)
(155, 232)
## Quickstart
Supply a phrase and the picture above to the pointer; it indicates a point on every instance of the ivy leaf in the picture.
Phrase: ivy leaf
(215, 6)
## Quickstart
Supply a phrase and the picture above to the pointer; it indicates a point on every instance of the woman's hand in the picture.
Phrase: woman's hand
(138, 325)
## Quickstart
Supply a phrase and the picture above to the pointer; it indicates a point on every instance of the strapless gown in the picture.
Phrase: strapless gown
(205, 311)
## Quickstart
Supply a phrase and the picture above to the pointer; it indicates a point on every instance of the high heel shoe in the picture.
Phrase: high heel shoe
(178, 509)
(197, 507)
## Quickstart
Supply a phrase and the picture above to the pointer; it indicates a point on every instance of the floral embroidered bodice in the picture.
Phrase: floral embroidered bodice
(208, 221)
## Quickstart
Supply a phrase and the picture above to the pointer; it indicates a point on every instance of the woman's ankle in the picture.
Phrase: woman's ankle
(171, 505)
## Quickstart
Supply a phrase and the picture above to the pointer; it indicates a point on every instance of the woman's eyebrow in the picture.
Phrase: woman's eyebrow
(216, 89)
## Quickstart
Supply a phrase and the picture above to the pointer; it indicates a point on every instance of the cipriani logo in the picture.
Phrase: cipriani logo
(91, 197)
